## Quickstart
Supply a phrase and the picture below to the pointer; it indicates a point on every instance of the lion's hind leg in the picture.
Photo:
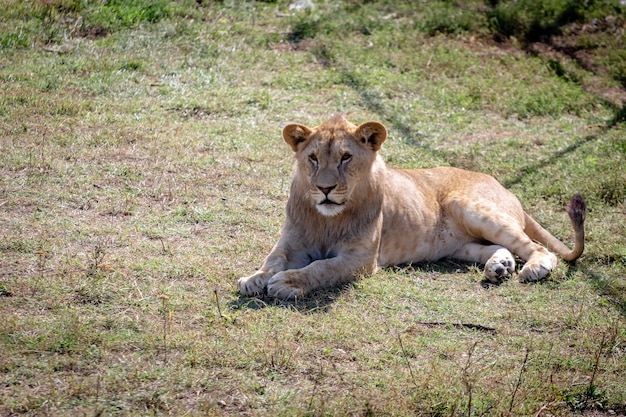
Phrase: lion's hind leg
(490, 234)
(539, 260)
(502, 228)
(498, 260)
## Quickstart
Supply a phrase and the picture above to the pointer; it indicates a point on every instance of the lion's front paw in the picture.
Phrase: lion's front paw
(285, 285)
(254, 284)
(500, 265)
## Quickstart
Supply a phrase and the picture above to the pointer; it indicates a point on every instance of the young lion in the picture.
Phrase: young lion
(349, 214)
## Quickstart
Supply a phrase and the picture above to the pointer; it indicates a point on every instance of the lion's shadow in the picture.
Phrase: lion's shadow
(322, 300)
(319, 301)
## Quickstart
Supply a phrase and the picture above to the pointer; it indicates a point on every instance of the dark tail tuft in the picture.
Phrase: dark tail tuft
(577, 210)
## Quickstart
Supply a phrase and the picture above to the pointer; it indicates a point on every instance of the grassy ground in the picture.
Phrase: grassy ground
(142, 172)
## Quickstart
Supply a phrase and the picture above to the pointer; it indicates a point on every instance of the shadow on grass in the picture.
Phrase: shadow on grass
(441, 267)
(537, 166)
(319, 301)
(374, 103)
(612, 289)
(322, 300)
(619, 115)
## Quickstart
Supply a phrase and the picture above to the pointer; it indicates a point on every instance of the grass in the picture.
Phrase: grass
(142, 172)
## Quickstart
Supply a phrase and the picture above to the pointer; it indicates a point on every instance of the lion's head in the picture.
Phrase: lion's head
(334, 160)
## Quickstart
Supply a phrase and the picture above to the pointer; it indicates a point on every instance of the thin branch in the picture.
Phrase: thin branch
(543, 408)
(408, 364)
(217, 302)
(519, 379)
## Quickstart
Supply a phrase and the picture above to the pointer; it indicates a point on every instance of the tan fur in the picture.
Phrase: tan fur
(349, 214)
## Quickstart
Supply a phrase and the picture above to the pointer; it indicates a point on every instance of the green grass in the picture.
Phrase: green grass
(142, 172)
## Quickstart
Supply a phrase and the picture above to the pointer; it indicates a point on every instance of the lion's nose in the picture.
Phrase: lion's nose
(326, 190)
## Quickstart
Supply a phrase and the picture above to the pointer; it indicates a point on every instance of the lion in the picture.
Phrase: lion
(349, 215)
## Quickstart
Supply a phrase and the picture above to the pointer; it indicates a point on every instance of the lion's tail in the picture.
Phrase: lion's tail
(577, 210)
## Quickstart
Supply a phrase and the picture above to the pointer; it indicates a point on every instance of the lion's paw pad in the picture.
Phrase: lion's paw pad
(500, 265)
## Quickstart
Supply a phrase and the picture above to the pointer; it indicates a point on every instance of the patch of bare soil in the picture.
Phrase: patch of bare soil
(588, 45)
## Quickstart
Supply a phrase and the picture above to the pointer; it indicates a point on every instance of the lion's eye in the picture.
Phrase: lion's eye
(345, 158)
(313, 159)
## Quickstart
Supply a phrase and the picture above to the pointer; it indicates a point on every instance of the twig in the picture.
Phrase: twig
(596, 364)
(408, 364)
(98, 410)
(543, 408)
(97, 388)
(317, 382)
(406, 358)
(519, 379)
(459, 325)
(217, 302)
(467, 380)
(165, 250)
(164, 299)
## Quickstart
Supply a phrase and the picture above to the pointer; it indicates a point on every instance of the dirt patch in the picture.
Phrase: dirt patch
(93, 32)
(594, 47)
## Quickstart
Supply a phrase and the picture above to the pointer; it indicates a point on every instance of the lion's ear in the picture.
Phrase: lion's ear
(372, 134)
(295, 134)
